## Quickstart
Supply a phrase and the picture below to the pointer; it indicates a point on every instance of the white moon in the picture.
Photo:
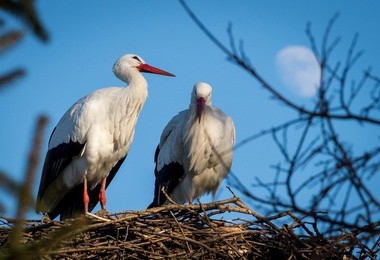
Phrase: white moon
(299, 70)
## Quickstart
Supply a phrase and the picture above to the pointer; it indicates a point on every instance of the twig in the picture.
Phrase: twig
(30, 173)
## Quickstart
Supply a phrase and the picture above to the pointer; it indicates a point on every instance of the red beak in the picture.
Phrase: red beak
(150, 69)
(200, 106)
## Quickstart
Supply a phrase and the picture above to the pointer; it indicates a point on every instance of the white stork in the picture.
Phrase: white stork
(195, 151)
(91, 141)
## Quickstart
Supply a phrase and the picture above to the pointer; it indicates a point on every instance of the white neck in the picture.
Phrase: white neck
(138, 90)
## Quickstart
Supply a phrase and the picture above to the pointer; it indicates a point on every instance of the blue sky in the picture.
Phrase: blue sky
(87, 37)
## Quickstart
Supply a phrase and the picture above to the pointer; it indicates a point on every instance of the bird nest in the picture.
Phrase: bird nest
(180, 231)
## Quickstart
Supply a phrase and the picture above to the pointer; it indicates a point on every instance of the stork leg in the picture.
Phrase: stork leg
(86, 198)
(102, 194)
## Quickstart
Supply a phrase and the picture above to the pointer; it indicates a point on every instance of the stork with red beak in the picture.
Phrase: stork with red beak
(91, 141)
(195, 151)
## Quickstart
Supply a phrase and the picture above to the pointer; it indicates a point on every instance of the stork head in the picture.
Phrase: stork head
(131, 64)
(201, 97)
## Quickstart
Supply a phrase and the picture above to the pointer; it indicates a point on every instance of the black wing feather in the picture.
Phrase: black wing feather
(72, 205)
(56, 160)
(168, 178)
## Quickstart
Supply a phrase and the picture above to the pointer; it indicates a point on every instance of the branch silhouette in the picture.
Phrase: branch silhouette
(336, 173)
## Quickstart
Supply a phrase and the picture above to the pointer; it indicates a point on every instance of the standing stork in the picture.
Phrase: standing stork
(195, 151)
(91, 141)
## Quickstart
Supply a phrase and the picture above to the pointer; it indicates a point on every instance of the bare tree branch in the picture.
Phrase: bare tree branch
(335, 172)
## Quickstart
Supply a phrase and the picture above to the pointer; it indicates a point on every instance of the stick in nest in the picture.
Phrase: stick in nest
(168, 198)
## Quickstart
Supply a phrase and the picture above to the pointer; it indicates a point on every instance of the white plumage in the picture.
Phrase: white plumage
(195, 151)
(91, 141)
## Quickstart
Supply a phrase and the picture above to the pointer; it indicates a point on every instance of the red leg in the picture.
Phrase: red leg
(190, 201)
(102, 193)
(86, 198)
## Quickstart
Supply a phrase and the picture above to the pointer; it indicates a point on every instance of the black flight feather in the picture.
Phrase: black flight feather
(72, 205)
(168, 178)
(56, 160)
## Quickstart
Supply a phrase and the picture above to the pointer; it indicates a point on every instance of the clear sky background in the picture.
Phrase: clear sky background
(87, 37)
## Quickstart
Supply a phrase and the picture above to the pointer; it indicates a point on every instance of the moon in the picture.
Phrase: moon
(299, 70)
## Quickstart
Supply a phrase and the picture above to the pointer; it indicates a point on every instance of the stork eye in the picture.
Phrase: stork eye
(136, 58)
